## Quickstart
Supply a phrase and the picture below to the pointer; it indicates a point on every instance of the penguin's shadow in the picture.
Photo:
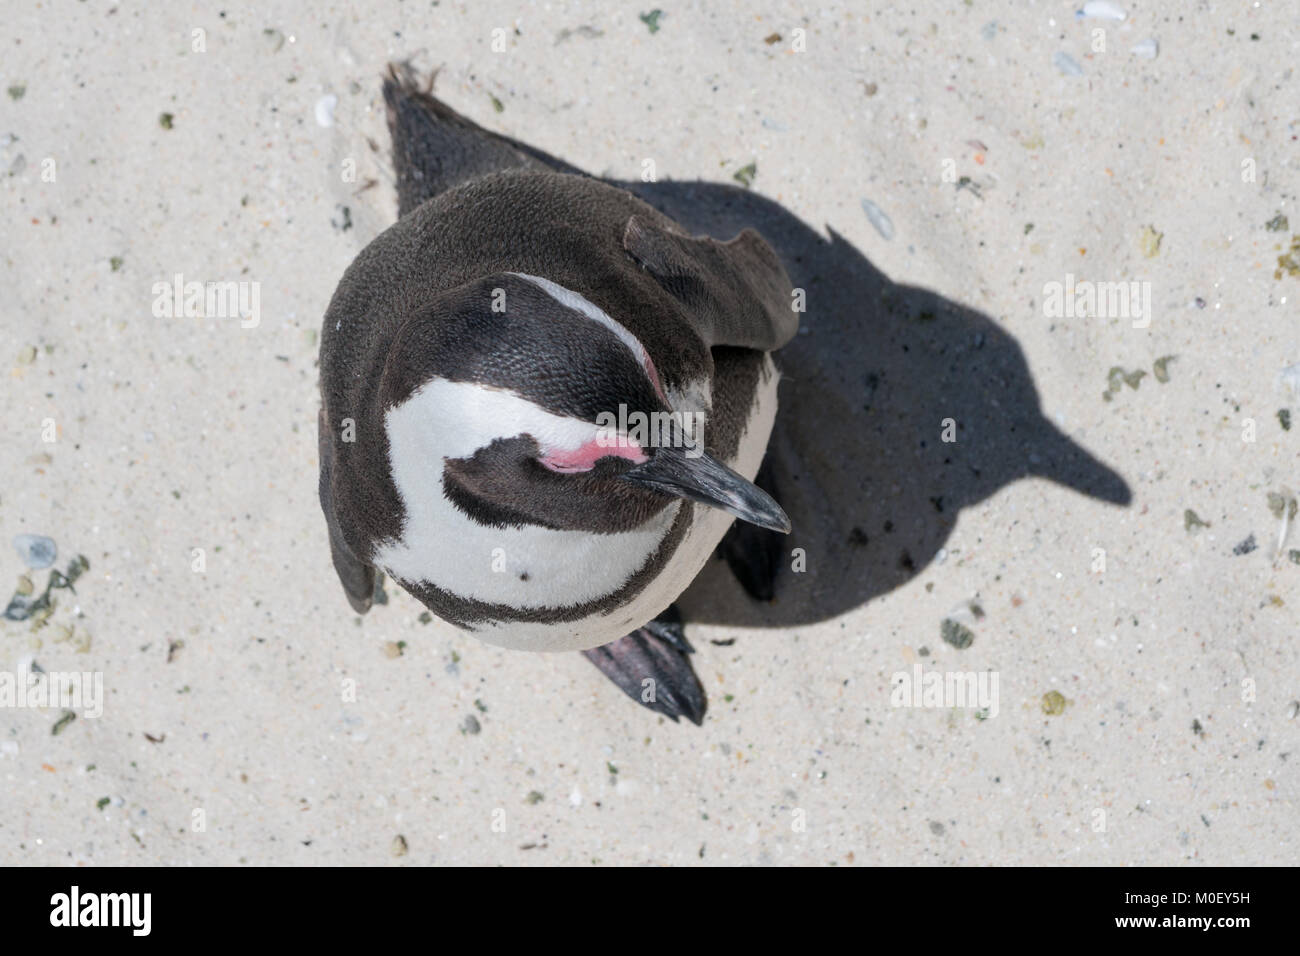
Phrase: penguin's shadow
(858, 455)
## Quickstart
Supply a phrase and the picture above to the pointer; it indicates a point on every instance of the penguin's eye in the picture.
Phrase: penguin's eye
(568, 461)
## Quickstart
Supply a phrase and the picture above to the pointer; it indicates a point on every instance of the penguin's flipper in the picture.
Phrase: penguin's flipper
(435, 148)
(357, 577)
(651, 666)
(753, 553)
(738, 291)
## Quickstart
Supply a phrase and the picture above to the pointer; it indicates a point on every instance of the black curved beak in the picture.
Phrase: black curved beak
(705, 479)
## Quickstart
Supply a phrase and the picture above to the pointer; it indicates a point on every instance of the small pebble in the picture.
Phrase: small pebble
(1246, 546)
(1148, 49)
(325, 109)
(399, 847)
(1066, 64)
(1102, 10)
(36, 550)
(884, 225)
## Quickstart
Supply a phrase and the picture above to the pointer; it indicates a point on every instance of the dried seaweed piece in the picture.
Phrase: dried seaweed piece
(23, 607)
(1283, 503)
(1149, 239)
(61, 724)
(1116, 378)
(958, 635)
(590, 33)
(1282, 506)
(1289, 262)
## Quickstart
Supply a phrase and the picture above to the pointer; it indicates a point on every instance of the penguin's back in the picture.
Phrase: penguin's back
(569, 230)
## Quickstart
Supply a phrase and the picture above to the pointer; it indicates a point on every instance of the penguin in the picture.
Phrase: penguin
(543, 402)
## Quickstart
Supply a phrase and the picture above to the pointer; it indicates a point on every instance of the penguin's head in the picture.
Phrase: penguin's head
(519, 402)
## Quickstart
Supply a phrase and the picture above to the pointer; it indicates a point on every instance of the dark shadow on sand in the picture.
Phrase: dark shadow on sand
(857, 457)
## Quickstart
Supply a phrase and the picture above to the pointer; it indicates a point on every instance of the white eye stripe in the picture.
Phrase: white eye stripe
(440, 544)
(579, 303)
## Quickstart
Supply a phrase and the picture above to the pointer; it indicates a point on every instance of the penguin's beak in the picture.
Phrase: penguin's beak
(705, 479)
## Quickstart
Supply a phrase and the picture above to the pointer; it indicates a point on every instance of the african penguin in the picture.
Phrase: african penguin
(543, 403)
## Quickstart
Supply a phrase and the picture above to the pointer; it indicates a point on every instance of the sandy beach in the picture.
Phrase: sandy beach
(1041, 426)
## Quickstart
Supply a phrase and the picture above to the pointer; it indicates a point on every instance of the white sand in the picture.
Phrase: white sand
(183, 433)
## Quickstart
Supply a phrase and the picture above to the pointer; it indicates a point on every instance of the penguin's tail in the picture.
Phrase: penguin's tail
(435, 148)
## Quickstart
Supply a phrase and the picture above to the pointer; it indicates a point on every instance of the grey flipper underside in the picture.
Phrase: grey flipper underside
(435, 148)
(755, 554)
(736, 292)
(651, 666)
(357, 577)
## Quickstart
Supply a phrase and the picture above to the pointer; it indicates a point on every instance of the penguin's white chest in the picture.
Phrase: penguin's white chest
(538, 570)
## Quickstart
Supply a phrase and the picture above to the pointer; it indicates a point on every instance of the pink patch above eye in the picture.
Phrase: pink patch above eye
(569, 461)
